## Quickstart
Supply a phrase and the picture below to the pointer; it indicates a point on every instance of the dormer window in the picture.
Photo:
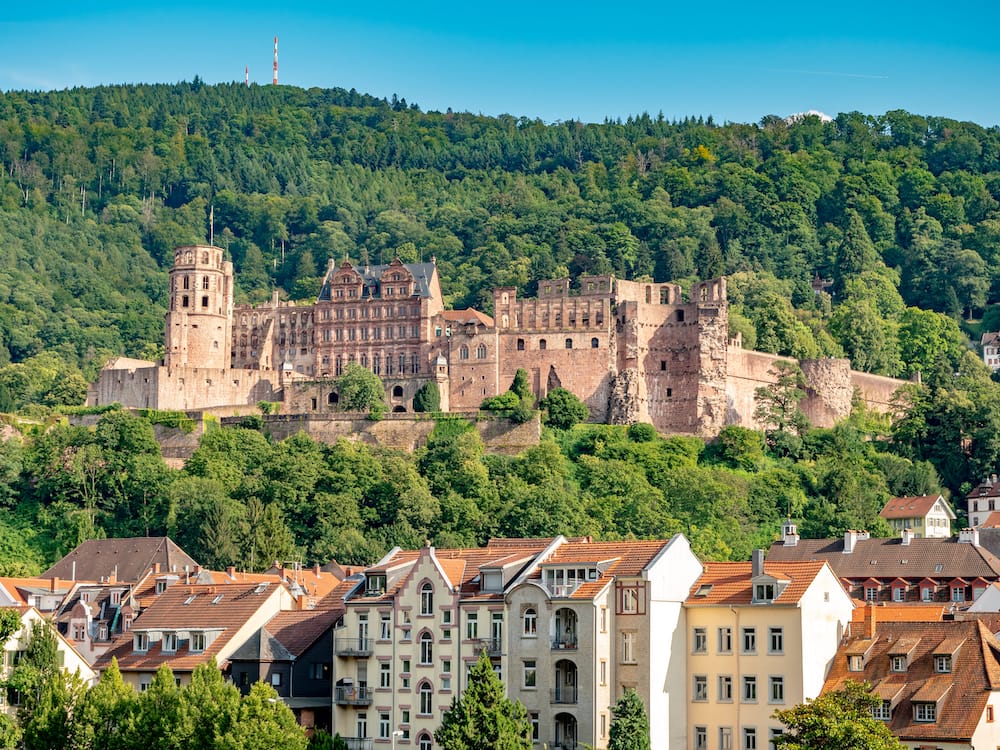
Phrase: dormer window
(161, 586)
(925, 712)
(140, 642)
(763, 592)
(492, 581)
(198, 641)
(942, 663)
(897, 663)
(116, 598)
(375, 584)
(883, 711)
(855, 663)
(169, 643)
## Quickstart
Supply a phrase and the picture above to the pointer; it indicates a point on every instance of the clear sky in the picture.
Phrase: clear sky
(551, 60)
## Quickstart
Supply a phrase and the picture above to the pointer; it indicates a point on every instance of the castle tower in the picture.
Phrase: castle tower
(199, 319)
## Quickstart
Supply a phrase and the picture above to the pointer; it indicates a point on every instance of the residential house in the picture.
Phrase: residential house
(69, 658)
(939, 681)
(983, 500)
(928, 570)
(568, 624)
(293, 652)
(127, 559)
(760, 638)
(990, 344)
(93, 615)
(925, 516)
(186, 626)
(44, 594)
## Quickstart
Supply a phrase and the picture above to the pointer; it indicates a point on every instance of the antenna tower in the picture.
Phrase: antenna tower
(274, 81)
(246, 75)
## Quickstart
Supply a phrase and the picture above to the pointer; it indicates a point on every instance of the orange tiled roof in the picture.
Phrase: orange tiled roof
(909, 507)
(19, 588)
(961, 695)
(728, 583)
(903, 613)
(468, 316)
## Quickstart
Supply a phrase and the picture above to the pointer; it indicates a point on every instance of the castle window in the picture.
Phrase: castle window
(594, 343)
(679, 316)
(541, 344)
(569, 343)
(184, 301)
(663, 365)
(187, 282)
(463, 353)
(397, 391)
(376, 363)
(204, 257)
(333, 398)
(520, 345)
(414, 364)
(204, 301)
(402, 364)
(481, 351)
(204, 282)
(664, 295)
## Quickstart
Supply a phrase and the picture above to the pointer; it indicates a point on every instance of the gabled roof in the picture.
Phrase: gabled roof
(914, 507)
(990, 338)
(730, 584)
(989, 487)
(423, 275)
(468, 316)
(960, 695)
(992, 521)
(129, 559)
(936, 558)
(262, 646)
(299, 629)
(19, 589)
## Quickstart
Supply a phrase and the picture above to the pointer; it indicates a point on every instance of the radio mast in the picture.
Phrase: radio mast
(274, 81)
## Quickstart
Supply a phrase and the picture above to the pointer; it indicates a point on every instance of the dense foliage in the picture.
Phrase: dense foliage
(629, 725)
(837, 720)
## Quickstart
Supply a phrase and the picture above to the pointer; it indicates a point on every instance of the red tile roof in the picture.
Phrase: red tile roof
(961, 695)
(909, 507)
(466, 316)
(728, 583)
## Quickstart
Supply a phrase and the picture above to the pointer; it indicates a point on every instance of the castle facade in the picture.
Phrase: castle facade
(632, 351)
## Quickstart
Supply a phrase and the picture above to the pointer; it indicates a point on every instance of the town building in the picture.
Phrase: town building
(939, 682)
(925, 516)
(760, 637)
(955, 570)
(990, 344)
(632, 351)
(983, 500)
(568, 624)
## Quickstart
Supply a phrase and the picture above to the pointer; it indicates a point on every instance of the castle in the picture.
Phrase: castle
(632, 351)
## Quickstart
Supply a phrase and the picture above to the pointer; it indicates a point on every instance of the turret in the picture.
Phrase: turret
(199, 318)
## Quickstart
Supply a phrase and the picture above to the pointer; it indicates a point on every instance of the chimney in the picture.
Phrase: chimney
(789, 534)
(869, 631)
(156, 568)
(231, 571)
(54, 584)
(969, 536)
(316, 570)
(302, 602)
(863, 535)
(907, 537)
(113, 578)
(850, 539)
(757, 563)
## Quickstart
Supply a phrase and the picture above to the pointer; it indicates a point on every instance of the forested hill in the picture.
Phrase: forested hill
(99, 184)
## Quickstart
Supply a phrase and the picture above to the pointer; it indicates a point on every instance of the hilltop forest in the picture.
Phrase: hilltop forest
(899, 213)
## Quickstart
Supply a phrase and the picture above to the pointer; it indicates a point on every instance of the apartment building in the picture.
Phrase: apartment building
(924, 516)
(568, 624)
(760, 637)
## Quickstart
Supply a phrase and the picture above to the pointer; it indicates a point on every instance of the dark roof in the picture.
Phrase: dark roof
(129, 559)
(371, 279)
(889, 558)
(262, 646)
(299, 629)
(961, 694)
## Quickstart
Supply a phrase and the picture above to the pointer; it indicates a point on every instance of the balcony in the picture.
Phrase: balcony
(354, 646)
(348, 695)
(564, 696)
(492, 646)
(358, 743)
(563, 590)
(567, 641)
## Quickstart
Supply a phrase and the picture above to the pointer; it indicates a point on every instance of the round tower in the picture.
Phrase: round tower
(199, 319)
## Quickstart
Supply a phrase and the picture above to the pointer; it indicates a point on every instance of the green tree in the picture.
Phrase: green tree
(427, 398)
(105, 714)
(837, 720)
(563, 409)
(483, 718)
(360, 389)
(263, 722)
(629, 726)
(778, 406)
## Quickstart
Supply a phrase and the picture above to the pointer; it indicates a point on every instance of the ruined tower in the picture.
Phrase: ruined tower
(199, 319)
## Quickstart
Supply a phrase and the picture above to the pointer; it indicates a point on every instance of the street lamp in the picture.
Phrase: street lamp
(397, 733)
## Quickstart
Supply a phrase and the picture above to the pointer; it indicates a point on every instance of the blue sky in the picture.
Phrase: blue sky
(551, 60)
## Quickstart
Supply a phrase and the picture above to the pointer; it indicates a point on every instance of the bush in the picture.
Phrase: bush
(563, 409)
(427, 398)
(641, 432)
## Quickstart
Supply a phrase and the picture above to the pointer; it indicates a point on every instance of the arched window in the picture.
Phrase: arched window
(463, 353)
(426, 648)
(187, 282)
(397, 391)
(530, 621)
(427, 599)
(594, 343)
(481, 351)
(424, 743)
(426, 698)
(569, 343)
(520, 345)
(541, 344)
(333, 398)
(204, 257)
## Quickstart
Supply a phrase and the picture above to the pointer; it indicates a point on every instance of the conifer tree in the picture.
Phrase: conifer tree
(630, 726)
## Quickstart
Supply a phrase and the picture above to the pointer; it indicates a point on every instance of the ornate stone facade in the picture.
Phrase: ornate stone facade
(633, 351)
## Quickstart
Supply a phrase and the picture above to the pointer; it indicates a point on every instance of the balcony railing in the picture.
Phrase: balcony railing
(566, 695)
(348, 695)
(358, 743)
(567, 641)
(492, 646)
(354, 646)
(563, 590)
